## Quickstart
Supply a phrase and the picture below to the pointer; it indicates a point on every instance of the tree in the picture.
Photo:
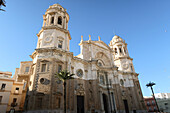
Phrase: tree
(63, 76)
(150, 84)
(2, 3)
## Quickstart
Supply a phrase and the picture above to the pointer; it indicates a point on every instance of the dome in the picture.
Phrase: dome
(117, 39)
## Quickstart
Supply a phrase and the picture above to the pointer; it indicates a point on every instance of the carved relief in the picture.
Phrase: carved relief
(80, 90)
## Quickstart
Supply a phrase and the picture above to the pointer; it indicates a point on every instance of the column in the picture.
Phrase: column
(55, 19)
(123, 50)
(118, 52)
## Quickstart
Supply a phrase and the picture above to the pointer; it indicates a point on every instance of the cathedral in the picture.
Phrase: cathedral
(105, 80)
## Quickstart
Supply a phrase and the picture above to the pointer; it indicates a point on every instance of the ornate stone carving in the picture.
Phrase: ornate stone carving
(80, 90)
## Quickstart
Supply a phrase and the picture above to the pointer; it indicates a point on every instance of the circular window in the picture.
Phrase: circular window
(79, 73)
(42, 80)
(121, 82)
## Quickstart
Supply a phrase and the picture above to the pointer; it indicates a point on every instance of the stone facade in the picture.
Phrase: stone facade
(104, 82)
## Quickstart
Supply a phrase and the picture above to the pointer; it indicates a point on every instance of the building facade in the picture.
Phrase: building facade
(10, 93)
(6, 83)
(105, 80)
(164, 104)
(150, 104)
(162, 95)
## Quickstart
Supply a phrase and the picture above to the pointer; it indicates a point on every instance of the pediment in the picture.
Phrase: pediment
(102, 44)
(59, 61)
(44, 61)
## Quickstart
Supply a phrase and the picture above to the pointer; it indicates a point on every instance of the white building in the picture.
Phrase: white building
(162, 95)
(6, 83)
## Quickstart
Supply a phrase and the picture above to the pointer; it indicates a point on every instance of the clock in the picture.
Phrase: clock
(125, 65)
(48, 39)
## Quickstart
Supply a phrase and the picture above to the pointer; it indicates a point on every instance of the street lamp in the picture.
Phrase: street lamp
(150, 84)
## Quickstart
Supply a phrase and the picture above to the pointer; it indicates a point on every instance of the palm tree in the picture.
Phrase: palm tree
(2, 3)
(150, 84)
(63, 76)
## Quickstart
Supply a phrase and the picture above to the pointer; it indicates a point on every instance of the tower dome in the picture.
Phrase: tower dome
(116, 38)
(56, 16)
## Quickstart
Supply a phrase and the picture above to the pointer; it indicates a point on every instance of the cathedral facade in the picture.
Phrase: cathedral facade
(105, 80)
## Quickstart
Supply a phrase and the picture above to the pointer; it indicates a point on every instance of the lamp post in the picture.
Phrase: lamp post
(150, 84)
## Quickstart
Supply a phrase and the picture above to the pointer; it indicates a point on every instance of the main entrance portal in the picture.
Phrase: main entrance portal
(80, 104)
(105, 103)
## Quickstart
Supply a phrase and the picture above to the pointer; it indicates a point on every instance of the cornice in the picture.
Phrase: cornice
(126, 73)
(124, 57)
(54, 27)
(50, 49)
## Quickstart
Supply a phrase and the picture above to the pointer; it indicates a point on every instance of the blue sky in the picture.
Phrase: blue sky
(143, 24)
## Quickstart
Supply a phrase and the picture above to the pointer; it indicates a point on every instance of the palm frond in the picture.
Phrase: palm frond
(64, 75)
(2, 10)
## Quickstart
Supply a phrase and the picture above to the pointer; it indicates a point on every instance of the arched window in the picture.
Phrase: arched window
(60, 20)
(116, 50)
(120, 50)
(52, 20)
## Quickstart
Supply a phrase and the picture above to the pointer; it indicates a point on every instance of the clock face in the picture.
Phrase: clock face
(79, 73)
(48, 39)
(125, 65)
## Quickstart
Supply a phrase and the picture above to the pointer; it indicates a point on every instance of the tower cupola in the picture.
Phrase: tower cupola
(119, 47)
(57, 16)
(121, 56)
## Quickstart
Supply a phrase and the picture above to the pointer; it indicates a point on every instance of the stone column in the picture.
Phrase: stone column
(55, 19)
(123, 50)
(118, 52)
(64, 21)
(49, 20)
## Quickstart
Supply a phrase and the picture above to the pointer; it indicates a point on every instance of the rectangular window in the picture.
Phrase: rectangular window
(59, 68)
(3, 86)
(101, 79)
(27, 69)
(148, 104)
(43, 68)
(153, 103)
(17, 88)
(0, 99)
(60, 43)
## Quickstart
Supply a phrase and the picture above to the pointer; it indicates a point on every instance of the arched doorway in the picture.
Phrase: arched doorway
(105, 103)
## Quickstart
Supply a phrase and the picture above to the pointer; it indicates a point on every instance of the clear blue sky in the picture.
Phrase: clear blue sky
(143, 24)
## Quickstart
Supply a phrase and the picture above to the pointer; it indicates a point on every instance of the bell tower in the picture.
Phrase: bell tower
(121, 56)
(54, 32)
